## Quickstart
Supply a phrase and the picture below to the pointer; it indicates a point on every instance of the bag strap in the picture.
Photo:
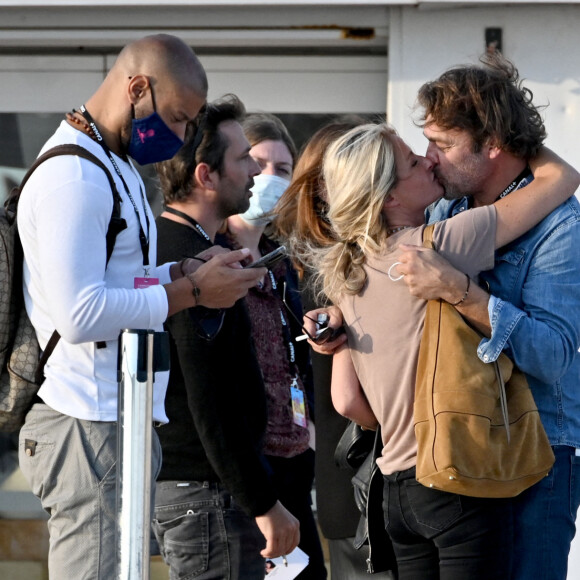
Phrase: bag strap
(428, 237)
(116, 224)
(428, 243)
(502, 399)
(50, 346)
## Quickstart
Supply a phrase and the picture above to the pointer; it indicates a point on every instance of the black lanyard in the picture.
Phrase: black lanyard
(143, 237)
(285, 326)
(190, 220)
(515, 182)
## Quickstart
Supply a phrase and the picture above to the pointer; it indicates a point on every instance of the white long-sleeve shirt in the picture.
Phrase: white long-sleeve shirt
(63, 216)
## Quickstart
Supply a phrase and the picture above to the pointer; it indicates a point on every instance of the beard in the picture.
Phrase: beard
(462, 180)
(233, 206)
(451, 192)
(125, 135)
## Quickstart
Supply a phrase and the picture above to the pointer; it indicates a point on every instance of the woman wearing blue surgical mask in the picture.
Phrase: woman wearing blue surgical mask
(276, 314)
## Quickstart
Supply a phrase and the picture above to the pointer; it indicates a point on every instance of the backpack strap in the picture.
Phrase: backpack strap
(116, 224)
(48, 350)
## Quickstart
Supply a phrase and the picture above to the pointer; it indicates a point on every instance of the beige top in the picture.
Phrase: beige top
(385, 323)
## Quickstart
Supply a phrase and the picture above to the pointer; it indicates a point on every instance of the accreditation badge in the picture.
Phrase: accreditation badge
(298, 405)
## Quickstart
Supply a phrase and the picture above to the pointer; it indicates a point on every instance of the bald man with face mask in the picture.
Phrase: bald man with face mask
(68, 444)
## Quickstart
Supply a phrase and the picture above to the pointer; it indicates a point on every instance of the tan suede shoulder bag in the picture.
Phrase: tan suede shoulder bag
(478, 429)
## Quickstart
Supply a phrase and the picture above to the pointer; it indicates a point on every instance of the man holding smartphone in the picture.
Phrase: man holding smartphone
(214, 496)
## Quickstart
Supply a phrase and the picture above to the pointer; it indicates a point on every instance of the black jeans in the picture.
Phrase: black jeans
(203, 534)
(348, 563)
(444, 536)
(293, 479)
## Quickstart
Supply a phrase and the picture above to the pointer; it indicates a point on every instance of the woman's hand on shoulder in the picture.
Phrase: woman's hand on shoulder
(428, 275)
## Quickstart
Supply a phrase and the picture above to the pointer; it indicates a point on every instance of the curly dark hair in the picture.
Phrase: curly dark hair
(176, 173)
(489, 102)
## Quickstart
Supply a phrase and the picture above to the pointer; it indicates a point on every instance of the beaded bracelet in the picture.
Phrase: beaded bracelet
(465, 295)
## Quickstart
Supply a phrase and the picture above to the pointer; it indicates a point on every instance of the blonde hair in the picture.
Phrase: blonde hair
(301, 212)
(359, 171)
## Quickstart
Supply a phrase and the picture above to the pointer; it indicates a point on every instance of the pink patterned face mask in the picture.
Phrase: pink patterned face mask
(152, 140)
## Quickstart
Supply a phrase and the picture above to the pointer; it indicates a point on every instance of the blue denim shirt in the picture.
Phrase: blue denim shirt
(534, 311)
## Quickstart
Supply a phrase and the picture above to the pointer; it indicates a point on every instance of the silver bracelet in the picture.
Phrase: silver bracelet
(465, 295)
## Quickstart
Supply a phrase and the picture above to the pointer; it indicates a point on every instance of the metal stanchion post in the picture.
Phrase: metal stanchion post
(136, 353)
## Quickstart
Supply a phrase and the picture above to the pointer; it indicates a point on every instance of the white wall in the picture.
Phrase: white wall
(309, 83)
(320, 84)
(542, 41)
(284, 84)
(574, 560)
(47, 84)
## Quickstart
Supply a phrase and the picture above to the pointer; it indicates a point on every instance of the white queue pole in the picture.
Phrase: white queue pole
(134, 426)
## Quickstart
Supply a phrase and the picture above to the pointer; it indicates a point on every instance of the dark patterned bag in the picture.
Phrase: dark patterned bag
(21, 363)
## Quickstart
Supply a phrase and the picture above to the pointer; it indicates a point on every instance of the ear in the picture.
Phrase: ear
(494, 152)
(137, 88)
(491, 150)
(205, 177)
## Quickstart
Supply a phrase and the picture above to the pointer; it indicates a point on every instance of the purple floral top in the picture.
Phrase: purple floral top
(271, 333)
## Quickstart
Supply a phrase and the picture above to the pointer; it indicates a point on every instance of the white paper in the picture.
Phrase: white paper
(297, 561)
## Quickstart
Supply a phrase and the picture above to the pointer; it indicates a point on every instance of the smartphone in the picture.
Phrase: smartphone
(270, 259)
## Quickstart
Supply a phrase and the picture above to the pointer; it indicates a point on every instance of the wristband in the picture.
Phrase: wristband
(465, 295)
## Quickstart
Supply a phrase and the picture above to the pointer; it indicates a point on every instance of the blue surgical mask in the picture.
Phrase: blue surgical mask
(152, 140)
(267, 190)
